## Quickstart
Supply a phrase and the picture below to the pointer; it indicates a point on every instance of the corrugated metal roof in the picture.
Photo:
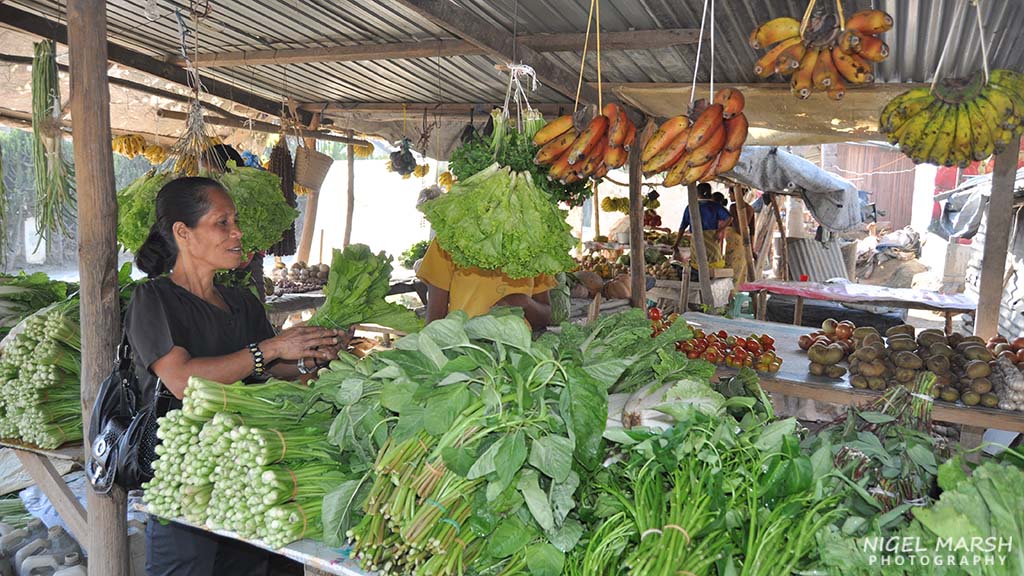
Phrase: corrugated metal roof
(921, 28)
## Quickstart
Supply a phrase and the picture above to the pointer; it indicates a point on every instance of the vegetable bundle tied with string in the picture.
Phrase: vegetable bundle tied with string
(498, 219)
(356, 287)
(54, 182)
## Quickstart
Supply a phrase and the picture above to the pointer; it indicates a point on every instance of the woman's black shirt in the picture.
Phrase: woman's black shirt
(162, 315)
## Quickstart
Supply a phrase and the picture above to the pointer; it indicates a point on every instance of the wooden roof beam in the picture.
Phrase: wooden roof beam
(415, 109)
(44, 28)
(569, 42)
(498, 43)
(265, 127)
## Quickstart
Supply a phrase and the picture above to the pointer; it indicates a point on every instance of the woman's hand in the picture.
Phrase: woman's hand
(303, 342)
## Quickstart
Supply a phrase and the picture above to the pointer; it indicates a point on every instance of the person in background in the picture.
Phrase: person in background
(426, 195)
(714, 221)
(180, 324)
(475, 291)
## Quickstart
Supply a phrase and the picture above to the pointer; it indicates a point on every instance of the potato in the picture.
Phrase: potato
(937, 364)
(871, 369)
(901, 329)
(975, 339)
(876, 383)
(943, 379)
(872, 339)
(940, 349)
(971, 398)
(950, 394)
(905, 375)
(865, 354)
(908, 360)
(930, 336)
(981, 386)
(989, 400)
(902, 344)
(863, 332)
(954, 339)
(835, 371)
(978, 353)
(978, 369)
(816, 369)
(817, 353)
(859, 381)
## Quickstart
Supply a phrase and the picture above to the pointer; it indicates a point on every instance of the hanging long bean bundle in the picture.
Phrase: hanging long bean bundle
(55, 200)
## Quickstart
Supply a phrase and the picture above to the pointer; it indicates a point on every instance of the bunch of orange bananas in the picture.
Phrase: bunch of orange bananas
(589, 153)
(960, 121)
(702, 148)
(129, 145)
(823, 56)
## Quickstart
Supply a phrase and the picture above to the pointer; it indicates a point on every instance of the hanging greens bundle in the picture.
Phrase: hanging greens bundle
(499, 219)
(509, 147)
(3, 213)
(55, 199)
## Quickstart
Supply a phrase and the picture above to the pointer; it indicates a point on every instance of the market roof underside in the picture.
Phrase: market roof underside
(374, 66)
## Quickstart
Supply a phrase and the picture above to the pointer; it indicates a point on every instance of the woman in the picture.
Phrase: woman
(181, 324)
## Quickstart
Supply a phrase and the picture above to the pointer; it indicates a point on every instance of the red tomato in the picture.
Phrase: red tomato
(693, 354)
(698, 333)
(654, 314)
(739, 353)
(723, 334)
(741, 342)
(767, 340)
(753, 346)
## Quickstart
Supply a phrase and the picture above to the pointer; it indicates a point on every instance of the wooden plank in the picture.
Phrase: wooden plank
(266, 127)
(699, 251)
(637, 261)
(350, 195)
(998, 221)
(75, 452)
(764, 230)
(498, 43)
(309, 221)
(738, 193)
(559, 42)
(97, 249)
(782, 231)
(63, 500)
(49, 29)
(458, 109)
(798, 311)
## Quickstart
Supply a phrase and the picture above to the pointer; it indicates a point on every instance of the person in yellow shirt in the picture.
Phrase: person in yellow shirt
(475, 291)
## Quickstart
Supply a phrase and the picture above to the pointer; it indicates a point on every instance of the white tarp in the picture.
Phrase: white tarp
(833, 201)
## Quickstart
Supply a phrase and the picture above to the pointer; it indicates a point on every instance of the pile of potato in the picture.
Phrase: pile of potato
(878, 366)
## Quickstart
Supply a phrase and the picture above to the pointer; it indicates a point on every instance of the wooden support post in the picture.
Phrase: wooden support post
(798, 311)
(742, 214)
(597, 213)
(999, 219)
(784, 265)
(351, 200)
(699, 251)
(97, 256)
(764, 230)
(637, 268)
(971, 437)
(309, 222)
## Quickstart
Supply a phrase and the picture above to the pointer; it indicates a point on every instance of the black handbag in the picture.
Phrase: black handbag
(122, 429)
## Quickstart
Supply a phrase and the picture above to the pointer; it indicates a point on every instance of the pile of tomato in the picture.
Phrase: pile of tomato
(755, 351)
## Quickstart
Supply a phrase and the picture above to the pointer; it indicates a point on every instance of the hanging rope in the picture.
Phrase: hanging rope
(700, 46)
(807, 17)
(842, 17)
(957, 21)
(597, 24)
(981, 38)
(583, 60)
(711, 85)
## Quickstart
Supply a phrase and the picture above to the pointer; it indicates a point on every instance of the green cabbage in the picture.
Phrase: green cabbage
(498, 219)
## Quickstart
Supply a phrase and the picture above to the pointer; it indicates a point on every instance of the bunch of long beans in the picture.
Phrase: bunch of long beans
(55, 200)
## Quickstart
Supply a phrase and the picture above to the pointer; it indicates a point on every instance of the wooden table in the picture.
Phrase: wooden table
(317, 557)
(36, 461)
(948, 304)
(793, 379)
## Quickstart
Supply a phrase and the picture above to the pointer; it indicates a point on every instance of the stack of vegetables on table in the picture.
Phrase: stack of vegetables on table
(756, 351)
(357, 285)
(40, 398)
(299, 277)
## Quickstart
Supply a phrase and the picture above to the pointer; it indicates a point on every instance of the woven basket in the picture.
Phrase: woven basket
(311, 167)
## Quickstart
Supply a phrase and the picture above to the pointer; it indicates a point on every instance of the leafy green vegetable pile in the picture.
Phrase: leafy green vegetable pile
(23, 294)
(413, 253)
(263, 213)
(514, 149)
(498, 219)
(356, 287)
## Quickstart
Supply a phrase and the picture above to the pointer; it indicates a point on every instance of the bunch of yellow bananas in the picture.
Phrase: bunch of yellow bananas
(445, 180)
(615, 204)
(361, 151)
(961, 121)
(822, 57)
(186, 165)
(421, 170)
(301, 190)
(155, 154)
(573, 155)
(130, 145)
(699, 150)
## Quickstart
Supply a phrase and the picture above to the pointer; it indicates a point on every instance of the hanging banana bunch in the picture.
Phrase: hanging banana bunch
(421, 170)
(958, 122)
(129, 145)
(445, 180)
(155, 154)
(823, 52)
(54, 181)
(362, 151)
(699, 146)
(574, 155)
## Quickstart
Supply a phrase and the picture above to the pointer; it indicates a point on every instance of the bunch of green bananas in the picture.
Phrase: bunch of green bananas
(960, 121)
